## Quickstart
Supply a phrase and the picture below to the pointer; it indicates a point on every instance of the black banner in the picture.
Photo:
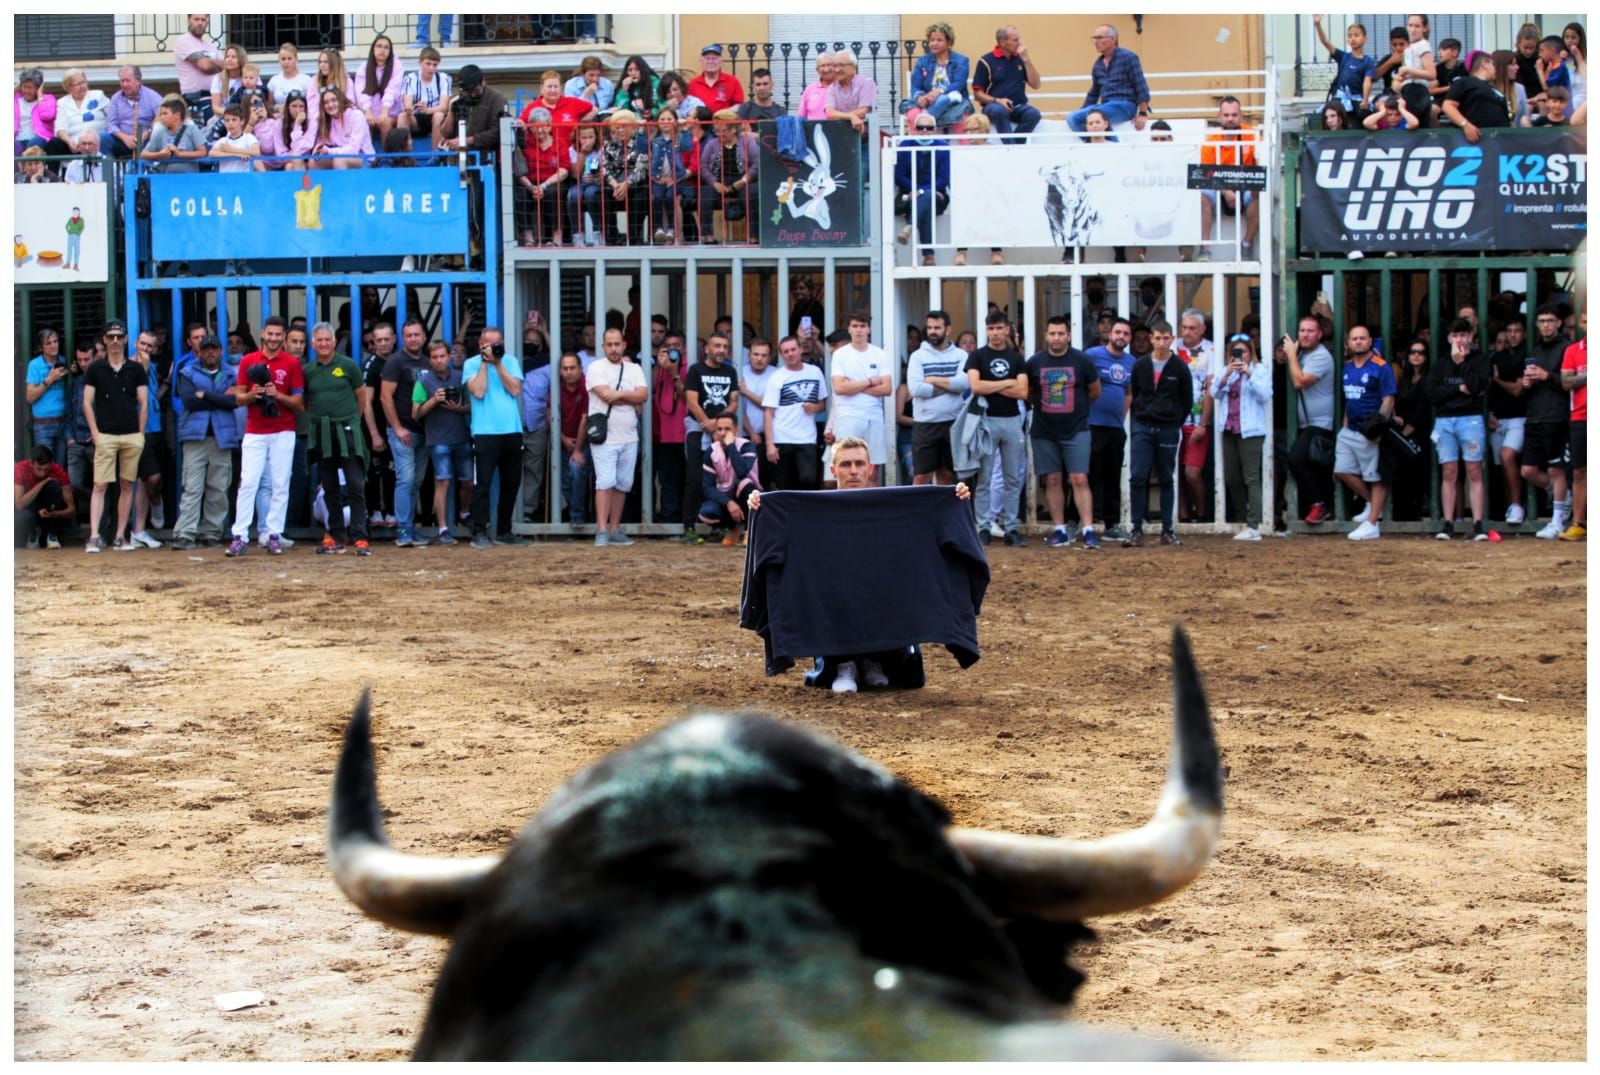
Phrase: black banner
(814, 200)
(1227, 177)
(1434, 192)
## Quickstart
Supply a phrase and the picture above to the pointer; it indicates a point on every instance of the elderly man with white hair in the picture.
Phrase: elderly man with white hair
(88, 169)
(852, 95)
(1117, 87)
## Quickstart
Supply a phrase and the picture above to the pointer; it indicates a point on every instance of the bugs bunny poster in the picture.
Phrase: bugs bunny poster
(815, 200)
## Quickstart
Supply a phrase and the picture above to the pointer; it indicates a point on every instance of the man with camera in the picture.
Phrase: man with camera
(617, 389)
(494, 380)
(666, 396)
(272, 386)
(481, 107)
(439, 403)
(406, 438)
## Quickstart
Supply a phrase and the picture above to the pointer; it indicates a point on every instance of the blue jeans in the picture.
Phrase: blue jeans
(1011, 452)
(947, 109)
(575, 485)
(409, 464)
(53, 434)
(1115, 112)
(1021, 119)
(425, 22)
(1152, 448)
(922, 210)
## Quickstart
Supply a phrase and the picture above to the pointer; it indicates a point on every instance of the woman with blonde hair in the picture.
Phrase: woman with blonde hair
(339, 137)
(79, 108)
(939, 79)
(230, 78)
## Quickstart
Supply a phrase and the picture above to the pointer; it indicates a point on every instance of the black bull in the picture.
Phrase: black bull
(741, 888)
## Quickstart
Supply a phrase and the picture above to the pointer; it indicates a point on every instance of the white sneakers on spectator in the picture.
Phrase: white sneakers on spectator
(1365, 532)
(872, 675)
(1249, 533)
(143, 538)
(1515, 515)
(844, 678)
(1552, 530)
(158, 514)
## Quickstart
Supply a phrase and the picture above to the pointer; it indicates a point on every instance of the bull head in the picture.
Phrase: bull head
(1038, 877)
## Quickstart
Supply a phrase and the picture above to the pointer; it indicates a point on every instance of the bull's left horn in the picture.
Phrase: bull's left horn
(410, 892)
(1068, 880)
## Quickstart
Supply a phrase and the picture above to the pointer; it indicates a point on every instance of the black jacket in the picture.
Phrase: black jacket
(1166, 403)
(1444, 381)
(1547, 400)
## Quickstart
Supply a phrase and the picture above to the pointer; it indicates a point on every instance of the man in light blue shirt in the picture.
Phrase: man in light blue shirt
(494, 380)
(535, 401)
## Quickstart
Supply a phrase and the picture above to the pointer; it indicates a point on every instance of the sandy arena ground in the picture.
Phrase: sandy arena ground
(1402, 874)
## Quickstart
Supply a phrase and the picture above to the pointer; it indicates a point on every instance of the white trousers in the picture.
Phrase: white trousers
(272, 455)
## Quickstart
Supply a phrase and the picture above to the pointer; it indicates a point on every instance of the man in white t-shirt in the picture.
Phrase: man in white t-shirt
(426, 93)
(753, 381)
(796, 394)
(238, 146)
(862, 377)
(616, 388)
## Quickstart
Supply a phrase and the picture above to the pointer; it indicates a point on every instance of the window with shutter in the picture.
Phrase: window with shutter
(78, 37)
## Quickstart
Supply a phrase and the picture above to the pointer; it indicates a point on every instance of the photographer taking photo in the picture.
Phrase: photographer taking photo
(438, 402)
(481, 107)
(494, 380)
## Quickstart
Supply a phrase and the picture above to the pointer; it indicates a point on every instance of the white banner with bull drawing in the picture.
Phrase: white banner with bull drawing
(1068, 194)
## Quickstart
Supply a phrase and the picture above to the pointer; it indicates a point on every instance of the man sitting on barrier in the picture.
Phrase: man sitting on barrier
(1000, 83)
(1116, 84)
(1233, 145)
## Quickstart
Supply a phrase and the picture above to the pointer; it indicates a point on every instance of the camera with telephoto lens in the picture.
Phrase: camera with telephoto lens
(260, 375)
(452, 395)
(498, 350)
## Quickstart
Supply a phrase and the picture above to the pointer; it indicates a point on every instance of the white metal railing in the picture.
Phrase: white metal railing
(1065, 92)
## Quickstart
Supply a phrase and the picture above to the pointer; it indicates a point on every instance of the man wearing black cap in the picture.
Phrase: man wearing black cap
(208, 431)
(486, 106)
(716, 89)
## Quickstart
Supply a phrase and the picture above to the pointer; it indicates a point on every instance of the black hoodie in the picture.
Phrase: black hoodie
(1165, 403)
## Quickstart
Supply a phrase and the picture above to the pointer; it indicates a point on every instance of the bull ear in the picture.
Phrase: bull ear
(410, 892)
(1068, 880)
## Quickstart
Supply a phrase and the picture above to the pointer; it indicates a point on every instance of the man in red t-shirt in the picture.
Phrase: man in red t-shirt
(42, 499)
(1575, 379)
(716, 89)
(272, 386)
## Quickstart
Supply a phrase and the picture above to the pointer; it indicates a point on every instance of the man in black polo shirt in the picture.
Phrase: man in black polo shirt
(1000, 83)
(116, 399)
(1472, 102)
(998, 378)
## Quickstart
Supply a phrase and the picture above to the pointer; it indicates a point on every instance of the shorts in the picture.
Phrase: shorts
(1579, 448)
(1246, 198)
(930, 447)
(1509, 434)
(451, 461)
(1070, 456)
(116, 456)
(1196, 446)
(1355, 454)
(1545, 445)
(868, 429)
(1459, 437)
(149, 461)
(613, 465)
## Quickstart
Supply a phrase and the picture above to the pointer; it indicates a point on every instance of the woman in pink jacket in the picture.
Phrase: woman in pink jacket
(278, 134)
(378, 87)
(339, 137)
(33, 112)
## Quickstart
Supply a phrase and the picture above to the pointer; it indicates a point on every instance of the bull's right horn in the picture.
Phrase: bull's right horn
(1069, 880)
(411, 892)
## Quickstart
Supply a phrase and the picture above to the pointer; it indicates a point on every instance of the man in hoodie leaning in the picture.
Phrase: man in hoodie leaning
(1160, 395)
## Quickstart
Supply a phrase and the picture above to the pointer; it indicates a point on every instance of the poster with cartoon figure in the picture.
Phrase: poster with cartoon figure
(812, 198)
(61, 235)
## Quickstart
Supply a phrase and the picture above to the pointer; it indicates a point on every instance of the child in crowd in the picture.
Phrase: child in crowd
(1554, 111)
(1392, 115)
(237, 147)
(583, 196)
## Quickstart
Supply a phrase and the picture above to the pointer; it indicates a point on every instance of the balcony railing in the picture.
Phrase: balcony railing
(48, 38)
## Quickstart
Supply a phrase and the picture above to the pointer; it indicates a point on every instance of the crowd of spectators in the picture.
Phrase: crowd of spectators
(1542, 82)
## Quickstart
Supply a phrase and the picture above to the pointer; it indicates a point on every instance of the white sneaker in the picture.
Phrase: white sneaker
(52, 542)
(872, 675)
(844, 679)
(158, 515)
(995, 531)
(1249, 533)
(1365, 532)
(284, 540)
(1515, 514)
(1361, 512)
(144, 538)
(1552, 529)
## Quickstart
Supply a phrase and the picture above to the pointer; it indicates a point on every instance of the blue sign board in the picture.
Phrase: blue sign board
(320, 213)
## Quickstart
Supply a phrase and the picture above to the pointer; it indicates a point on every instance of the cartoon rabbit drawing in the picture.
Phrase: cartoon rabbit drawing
(818, 186)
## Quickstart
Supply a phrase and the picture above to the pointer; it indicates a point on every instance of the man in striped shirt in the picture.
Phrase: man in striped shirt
(426, 92)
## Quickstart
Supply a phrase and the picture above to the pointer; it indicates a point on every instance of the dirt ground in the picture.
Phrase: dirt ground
(1402, 874)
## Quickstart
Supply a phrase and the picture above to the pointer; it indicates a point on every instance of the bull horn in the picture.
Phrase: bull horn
(1069, 880)
(410, 892)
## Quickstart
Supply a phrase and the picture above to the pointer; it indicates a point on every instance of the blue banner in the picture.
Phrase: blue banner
(309, 214)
